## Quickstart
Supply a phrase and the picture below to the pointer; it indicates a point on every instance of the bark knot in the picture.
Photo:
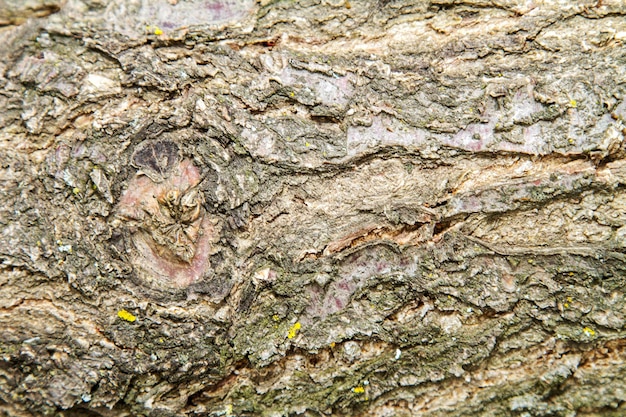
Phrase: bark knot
(169, 232)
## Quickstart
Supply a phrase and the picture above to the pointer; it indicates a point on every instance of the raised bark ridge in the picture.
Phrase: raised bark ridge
(319, 208)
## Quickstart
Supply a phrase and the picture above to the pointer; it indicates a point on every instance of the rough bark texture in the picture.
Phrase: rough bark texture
(317, 207)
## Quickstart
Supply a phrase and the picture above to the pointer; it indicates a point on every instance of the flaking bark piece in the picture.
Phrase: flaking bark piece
(101, 182)
(156, 158)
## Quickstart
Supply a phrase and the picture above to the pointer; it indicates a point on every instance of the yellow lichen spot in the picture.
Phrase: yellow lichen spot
(292, 94)
(359, 389)
(589, 332)
(571, 141)
(157, 31)
(530, 261)
(566, 305)
(573, 103)
(293, 331)
(307, 144)
(275, 317)
(332, 345)
(571, 274)
(76, 190)
(126, 316)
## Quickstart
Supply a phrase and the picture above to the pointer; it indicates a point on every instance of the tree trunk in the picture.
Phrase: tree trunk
(377, 208)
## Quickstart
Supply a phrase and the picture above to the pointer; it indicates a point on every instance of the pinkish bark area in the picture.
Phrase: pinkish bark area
(170, 233)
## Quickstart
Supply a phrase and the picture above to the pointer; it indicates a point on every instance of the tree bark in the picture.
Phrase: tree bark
(377, 208)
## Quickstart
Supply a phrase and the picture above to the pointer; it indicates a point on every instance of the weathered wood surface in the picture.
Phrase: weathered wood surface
(387, 208)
